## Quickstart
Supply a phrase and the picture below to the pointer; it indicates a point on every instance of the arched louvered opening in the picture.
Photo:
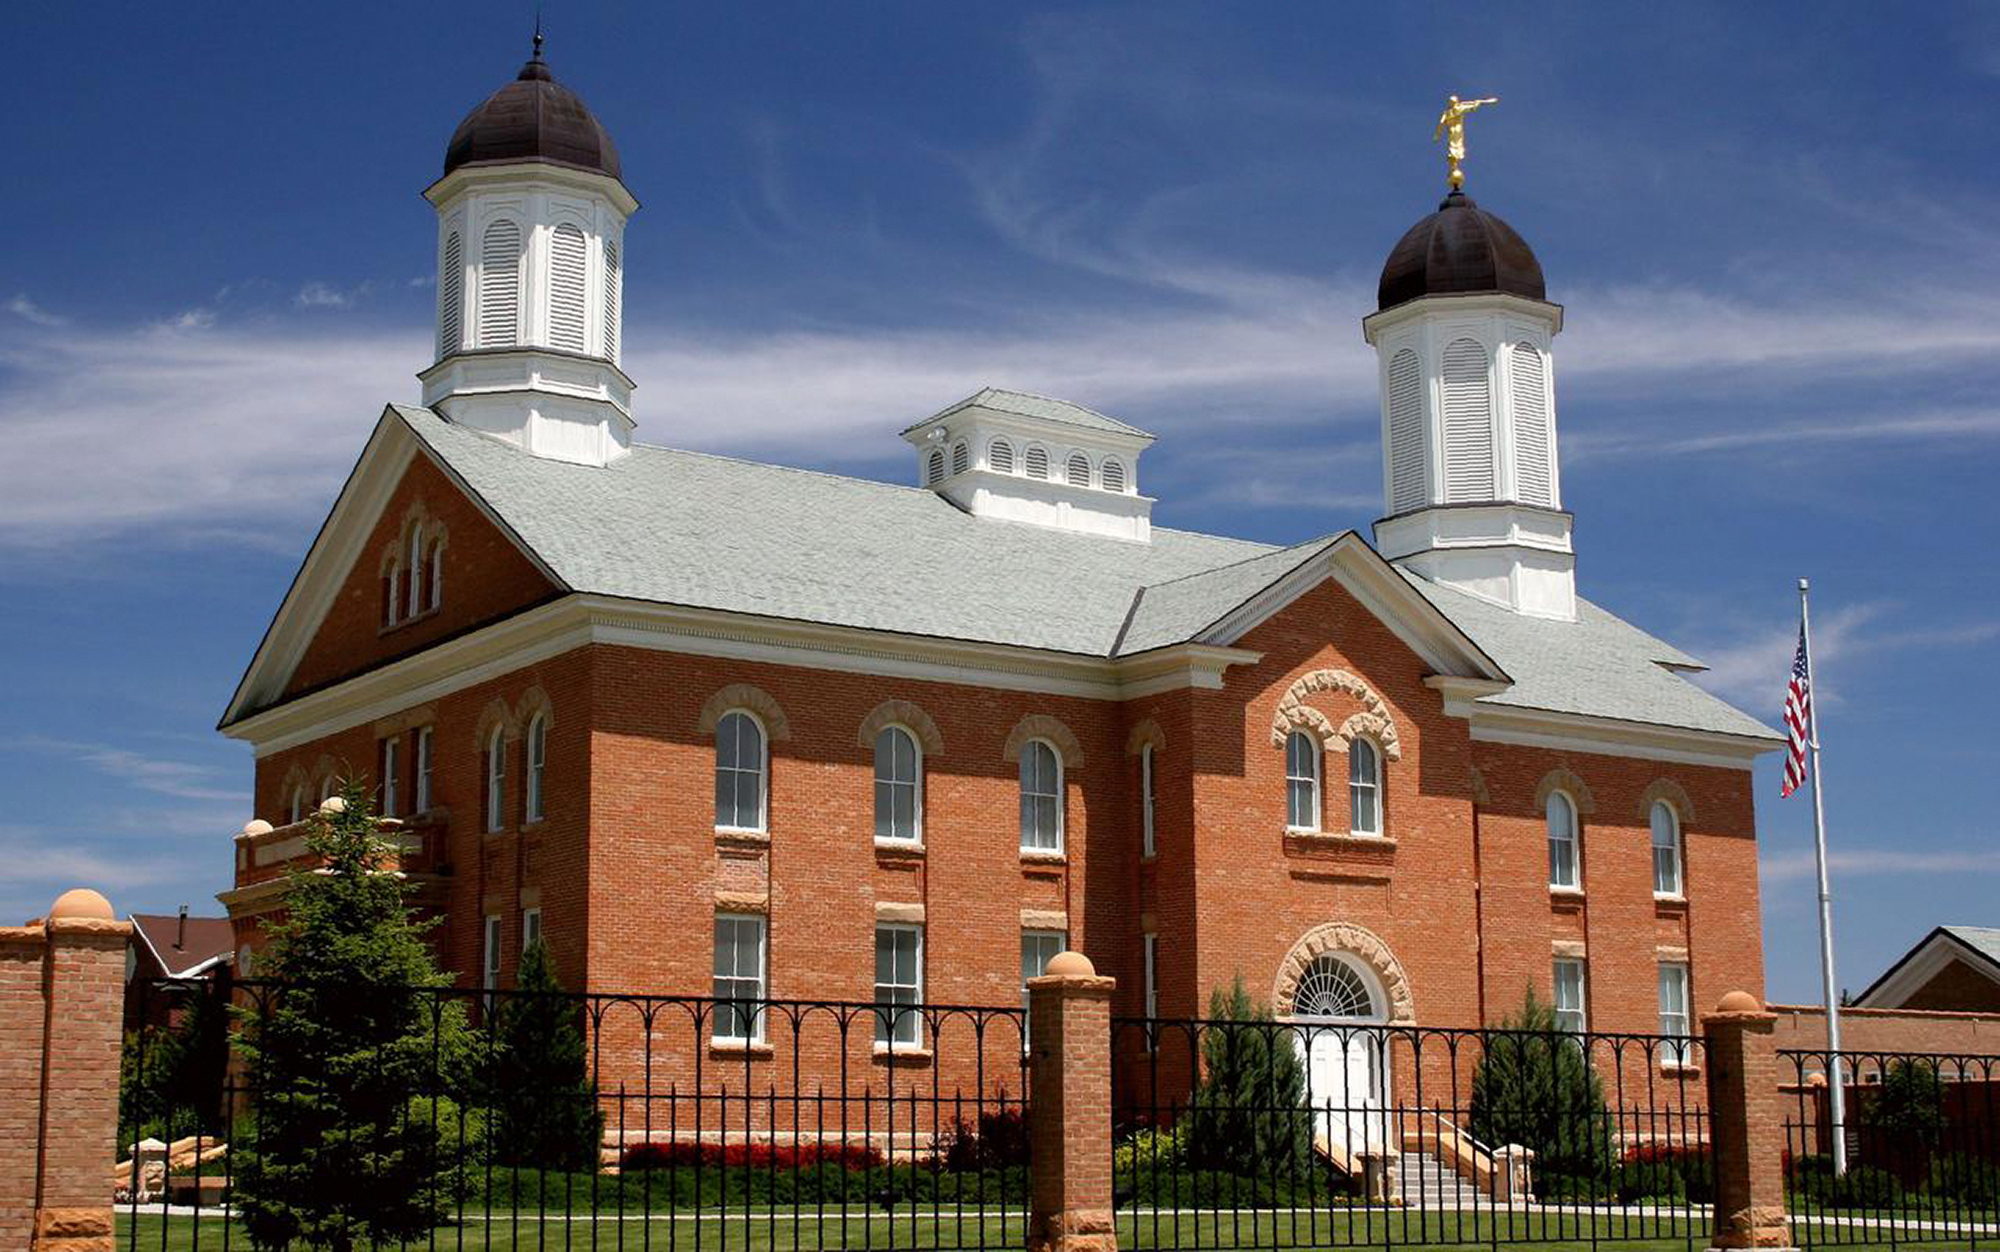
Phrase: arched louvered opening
(1534, 478)
(1113, 475)
(1468, 423)
(1077, 471)
(611, 294)
(1000, 456)
(451, 296)
(500, 286)
(1408, 477)
(934, 467)
(567, 265)
(961, 459)
(1038, 461)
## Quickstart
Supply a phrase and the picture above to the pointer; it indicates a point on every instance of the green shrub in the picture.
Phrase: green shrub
(1150, 1149)
(1908, 1106)
(1966, 1179)
(1249, 1112)
(1535, 1086)
(1865, 1187)
(1657, 1180)
(544, 1104)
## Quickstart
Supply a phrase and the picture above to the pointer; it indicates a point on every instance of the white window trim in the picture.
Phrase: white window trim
(391, 751)
(395, 600)
(1062, 834)
(1151, 950)
(756, 1034)
(298, 808)
(1032, 932)
(531, 928)
(892, 1043)
(421, 797)
(416, 593)
(763, 771)
(1582, 1011)
(1679, 849)
(489, 962)
(1318, 782)
(1374, 784)
(1680, 1051)
(496, 781)
(1147, 844)
(1575, 843)
(535, 760)
(434, 574)
(915, 839)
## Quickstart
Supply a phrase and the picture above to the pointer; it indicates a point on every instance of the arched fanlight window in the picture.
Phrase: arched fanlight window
(496, 779)
(1565, 868)
(1113, 475)
(1038, 461)
(739, 772)
(1364, 788)
(934, 467)
(1331, 987)
(1302, 781)
(1041, 798)
(500, 285)
(1077, 471)
(1000, 456)
(1666, 826)
(898, 785)
(961, 458)
(537, 765)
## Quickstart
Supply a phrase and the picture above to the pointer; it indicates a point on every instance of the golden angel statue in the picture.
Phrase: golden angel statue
(1451, 128)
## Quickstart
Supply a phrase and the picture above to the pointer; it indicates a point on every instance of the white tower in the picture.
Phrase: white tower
(531, 233)
(1470, 482)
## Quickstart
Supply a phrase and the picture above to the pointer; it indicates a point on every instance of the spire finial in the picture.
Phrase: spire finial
(538, 32)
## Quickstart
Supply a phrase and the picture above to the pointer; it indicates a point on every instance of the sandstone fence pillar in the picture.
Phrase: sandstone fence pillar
(62, 984)
(1069, 1108)
(1746, 1125)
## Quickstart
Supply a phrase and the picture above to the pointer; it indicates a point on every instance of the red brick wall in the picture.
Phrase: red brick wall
(1803, 1026)
(1957, 988)
(485, 577)
(23, 1014)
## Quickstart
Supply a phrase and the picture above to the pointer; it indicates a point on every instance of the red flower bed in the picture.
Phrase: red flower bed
(749, 1155)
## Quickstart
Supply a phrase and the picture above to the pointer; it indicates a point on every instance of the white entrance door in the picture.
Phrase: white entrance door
(1345, 1059)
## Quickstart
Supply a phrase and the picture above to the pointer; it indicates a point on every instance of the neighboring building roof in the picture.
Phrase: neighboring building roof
(1024, 404)
(1976, 946)
(705, 531)
(208, 941)
(533, 118)
(1459, 250)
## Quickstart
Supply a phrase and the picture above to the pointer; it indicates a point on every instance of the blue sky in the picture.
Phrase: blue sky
(1771, 228)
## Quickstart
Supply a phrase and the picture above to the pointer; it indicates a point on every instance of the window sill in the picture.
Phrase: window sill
(1566, 895)
(1037, 858)
(1339, 854)
(740, 1047)
(1680, 1069)
(1149, 858)
(530, 827)
(901, 1054)
(912, 849)
(730, 834)
(1672, 902)
(390, 628)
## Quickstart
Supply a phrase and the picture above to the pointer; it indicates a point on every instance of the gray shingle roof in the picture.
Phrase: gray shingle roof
(712, 532)
(1984, 940)
(1024, 404)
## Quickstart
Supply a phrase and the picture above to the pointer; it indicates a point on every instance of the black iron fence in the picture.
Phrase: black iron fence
(273, 1115)
(1921, 1133)
(1299, 1134)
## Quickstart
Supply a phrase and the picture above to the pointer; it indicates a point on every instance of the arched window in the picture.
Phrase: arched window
(1364, 788)
(1146, 843)
(1565, 861)
(416, 594)
(496, 779)
(436, 568)
(1041, 798)
(739, 772)
(500, 286)
(1000, 456)
(1666, 849)
(1077, 471)
(538, 764)
(1408, 475)
(934, 467)
(329, 787)
(567, 266)
(1038, 461)
(451, 296)
(898, 785)
(610, 301)
(392, 594)
(298, 806)
(1534, 479)
(1468, 423)
(1113, 474)
(961, 459)
(1302, 781)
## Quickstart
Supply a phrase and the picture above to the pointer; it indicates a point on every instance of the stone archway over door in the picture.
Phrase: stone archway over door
(1337, 988)
(1358, 944)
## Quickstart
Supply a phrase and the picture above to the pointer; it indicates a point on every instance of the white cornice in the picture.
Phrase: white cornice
(1377, 323)
(529, 175)
(1606, 736)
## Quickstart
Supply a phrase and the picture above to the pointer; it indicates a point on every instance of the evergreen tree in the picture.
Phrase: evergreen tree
(544, 1103)
(1249, 1115)
(355, 1063)
(1536, 1087)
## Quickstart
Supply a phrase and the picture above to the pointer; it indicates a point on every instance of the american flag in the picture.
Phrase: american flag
(1798, 717)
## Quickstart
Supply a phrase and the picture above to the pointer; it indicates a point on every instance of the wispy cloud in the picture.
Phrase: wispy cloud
(27, 310)
(319, 295)
(180, 779)
(1751, 670)
(1792, 866)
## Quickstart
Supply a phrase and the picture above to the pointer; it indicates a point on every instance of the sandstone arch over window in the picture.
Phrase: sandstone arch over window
(1674, 794)
(1374, 719)
(1567, 782)
(1042, 726)
(534, 701)
(496, 715)
(746, 696)
(1359, 944)
(1146, 733)
(909, 717)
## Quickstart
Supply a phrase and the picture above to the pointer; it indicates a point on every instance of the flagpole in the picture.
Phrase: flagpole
(1836, 1081)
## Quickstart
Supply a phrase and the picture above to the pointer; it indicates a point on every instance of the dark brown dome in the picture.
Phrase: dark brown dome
(1459, 249)
(533, 118)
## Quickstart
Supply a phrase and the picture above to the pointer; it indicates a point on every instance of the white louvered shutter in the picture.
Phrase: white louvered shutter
(961, 459)
(1038, 462)
(934, 468)
(1408, 473)
(567, 266)
(1078, 471)
(1114, 476)
(1000, 456)
(451, 296)
(1468, 423)
(610, 301)
(1533, 481)
(500, 286)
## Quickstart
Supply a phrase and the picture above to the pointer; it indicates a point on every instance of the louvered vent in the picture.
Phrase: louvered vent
(935, 472)
(1078, 470)
(1408, 474)
(566, 271)
(1114, 476)
(1000, 456)
(451, 296)
(500, 286)
(610, 301)
(961, 459)
(1038, 462)
(1530, 393)
(1468, 423)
